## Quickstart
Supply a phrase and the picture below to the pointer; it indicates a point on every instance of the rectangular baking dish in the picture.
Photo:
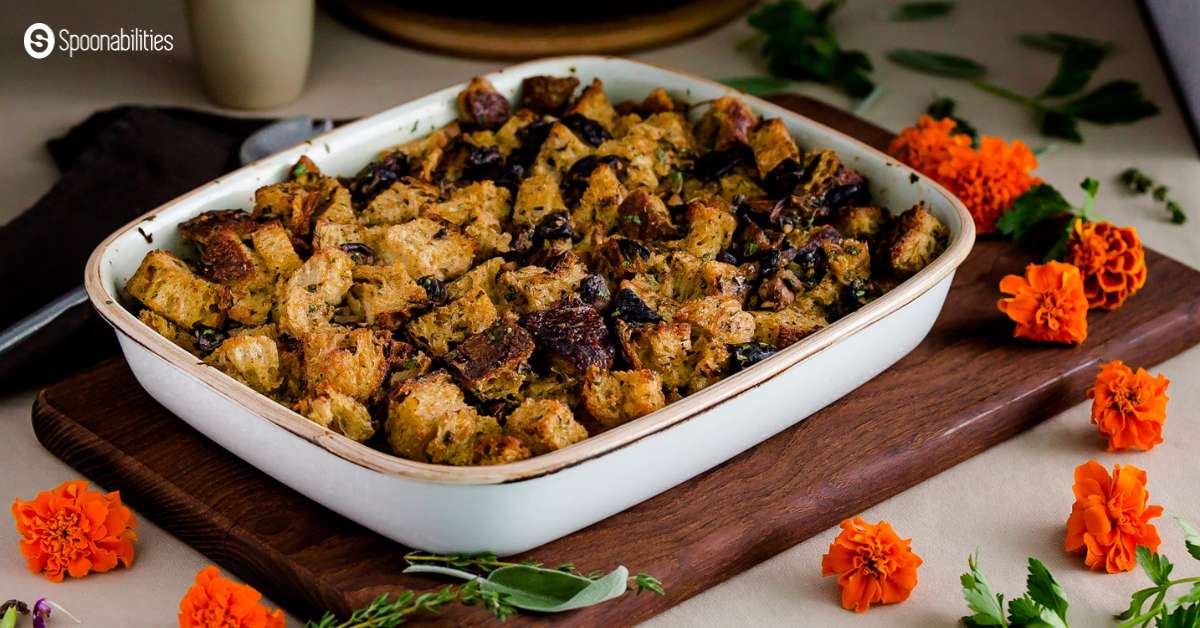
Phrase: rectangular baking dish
(514, 507)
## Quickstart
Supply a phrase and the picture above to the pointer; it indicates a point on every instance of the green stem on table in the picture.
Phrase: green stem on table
(1156, 607)
(1008, 94)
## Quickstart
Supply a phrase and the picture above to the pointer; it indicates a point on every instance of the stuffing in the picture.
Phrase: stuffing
(384, 295)
(785, 327)
(862, 222)
(662, 348)
(772, 144)
(613, 398)
(492, 363)
(537, 197)
(450, 324)
(341, 413)
(406, 199)
(726, 124)
(273, 245)
(164, 283)
(719, 318)
(710, 227)
(351, 362)
(424, 247)
(481, 106)
(561, 149)
(498, 449)
(170, 331)
(543, 425)
(917, 237)
(594, 104)
(572, 336)
(252, 360)
(428, 420)
(307, 299)
(597, 208)
(532, 288)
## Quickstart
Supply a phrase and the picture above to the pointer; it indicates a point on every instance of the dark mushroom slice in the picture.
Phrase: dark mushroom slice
(594, 291)
(378, 176)
(629, 307)
(748, 354)
(572, 335)
(492, 364)
(482, 106)
(587, 129)
(548, 95)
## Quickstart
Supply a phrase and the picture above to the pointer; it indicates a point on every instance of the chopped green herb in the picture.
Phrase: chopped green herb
(920, 11)
(299, 171)
(937, 63)
(799, 43)
(1059, 42)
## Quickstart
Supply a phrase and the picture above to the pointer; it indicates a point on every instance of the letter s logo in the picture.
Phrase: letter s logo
(39, 41)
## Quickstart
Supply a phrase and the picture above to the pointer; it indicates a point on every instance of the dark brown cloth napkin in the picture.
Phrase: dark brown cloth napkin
(116, 165)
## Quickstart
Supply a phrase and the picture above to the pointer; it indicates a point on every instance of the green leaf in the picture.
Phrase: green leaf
(1182, 617)
(1059, 42)
(758, 85)
(1027, 613)
(988, 608)
(1191, 537)
(937, 63)
(539, 589)
(1058, 124)
(1117, 102)
(944, 108)
(1137, 601)
(1156, 566)
(920, 11)
(1045, 590)
(1035, 205)
(1075, 69)
(799, 44)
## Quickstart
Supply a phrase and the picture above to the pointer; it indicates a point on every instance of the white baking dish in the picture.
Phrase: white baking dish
(514, 507)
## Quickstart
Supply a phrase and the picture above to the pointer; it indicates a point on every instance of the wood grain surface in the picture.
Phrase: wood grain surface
(968, 386)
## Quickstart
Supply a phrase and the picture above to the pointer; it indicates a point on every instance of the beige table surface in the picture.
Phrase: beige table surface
(1011, 502)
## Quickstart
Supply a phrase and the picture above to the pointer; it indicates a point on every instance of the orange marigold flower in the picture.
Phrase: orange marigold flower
(1128, 407)
(1111, 259)
(1048, 303)
(987, 180)
(74, 530)
(1111, 518)
(218, 602)
(872, 563)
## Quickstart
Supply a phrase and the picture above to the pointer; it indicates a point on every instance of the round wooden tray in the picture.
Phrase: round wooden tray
(455, 33)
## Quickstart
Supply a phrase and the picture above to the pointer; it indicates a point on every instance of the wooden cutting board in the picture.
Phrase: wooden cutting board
(967, 387)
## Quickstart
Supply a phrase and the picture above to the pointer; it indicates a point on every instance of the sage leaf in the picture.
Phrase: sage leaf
(937, 63)
(1075, 69)
(910, 11)
(1117, 102)
(944, 108)
(1055, 123)
(1191, 537)
(757, 85)
(538, 589)
(1059, 42)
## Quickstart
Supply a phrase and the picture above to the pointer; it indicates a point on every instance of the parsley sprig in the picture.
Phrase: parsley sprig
(1044, 604)
(1042, 202)
(1181, 612)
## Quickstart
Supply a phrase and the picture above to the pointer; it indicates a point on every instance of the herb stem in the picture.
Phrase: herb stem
(1157, 606)
(1008, 94)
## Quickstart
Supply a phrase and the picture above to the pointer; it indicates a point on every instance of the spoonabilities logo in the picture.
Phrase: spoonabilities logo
(39, 40)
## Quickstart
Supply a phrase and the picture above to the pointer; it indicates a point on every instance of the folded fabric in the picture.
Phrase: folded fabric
(116, 165)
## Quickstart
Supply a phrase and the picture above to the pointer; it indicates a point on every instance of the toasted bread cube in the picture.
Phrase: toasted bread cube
(450, 324)
(532, 288)
(544, 425)
(490, 237)
(739, 184)
(719, 318)
(482, 276)
(332, 235)
(169, 330)
(273, 245)
(537, 197)
(644, 216)
(662, 348)
(617, 397)
(307, 298)
(710, 228)
(492, 363)
(726, 124)
(197, 230)
(785, 327)
(406, 199)
(507, 135)
(481, 106)
(849, 260)
(406, 362)
(548, 95)
(468, 203)
(499, 449)
(424, 247)
(594, 104)
(252, 360)
(572, 335)
(772, 145)
(642, 148)
(384, 295)
(431, 408)
(721, 279)
(862, 222)
(425, 153)
(341, 413)
(712, 361)
(225, 259)
(553, 385)
(917, 238)
(597, 208)
(658, 100)
(351, 362)
(559, 152)
(299, 202)
(165, 284)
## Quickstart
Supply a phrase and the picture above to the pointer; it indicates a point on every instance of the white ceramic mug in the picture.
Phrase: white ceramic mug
(252, 54)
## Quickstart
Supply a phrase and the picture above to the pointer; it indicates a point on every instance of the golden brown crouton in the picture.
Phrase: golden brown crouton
(719, 318)
(617, 397)
(424, 154)
(482, 276)
(499, 449)
(548, 95)
(726, 124)
(917, 238)
(849, 260)
(341, 413)
(492, 363)
(862, 222)
(406, 199)
(332, 235)
(537, 197)
(384, 295)
(482, 106)
(457, 434)
(424, 247)
(225, 259)
(252, 360)
(308, 297)
(544, 425)
(710, 228)
(466, 204)
(772, 144)
(658, 100)
(593, 103)
(644, 216)
(721, 279)
(450, 324)
(785, 327)
(430, 407)
(297, 203)
(532, 288)
(197, 230)
(597, 208)
(273, 245)
(165, 284)
(352, 362)
(559, 152)
(662, 348)
(712, 361)
(169, 330)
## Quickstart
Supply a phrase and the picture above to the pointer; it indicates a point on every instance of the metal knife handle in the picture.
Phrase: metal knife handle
(23, 329)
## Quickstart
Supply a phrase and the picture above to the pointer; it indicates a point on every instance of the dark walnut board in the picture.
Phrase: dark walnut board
(967, 387)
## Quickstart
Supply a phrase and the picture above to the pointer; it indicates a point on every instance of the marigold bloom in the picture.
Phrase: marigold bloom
(73, 530)
(1111, 259)
(872, 563)
(1048, 303)
(1111, 518)
(1128, 407)
(987, 180)
(215, 601)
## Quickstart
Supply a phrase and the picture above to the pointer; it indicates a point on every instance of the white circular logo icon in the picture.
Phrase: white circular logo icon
(39, 41)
